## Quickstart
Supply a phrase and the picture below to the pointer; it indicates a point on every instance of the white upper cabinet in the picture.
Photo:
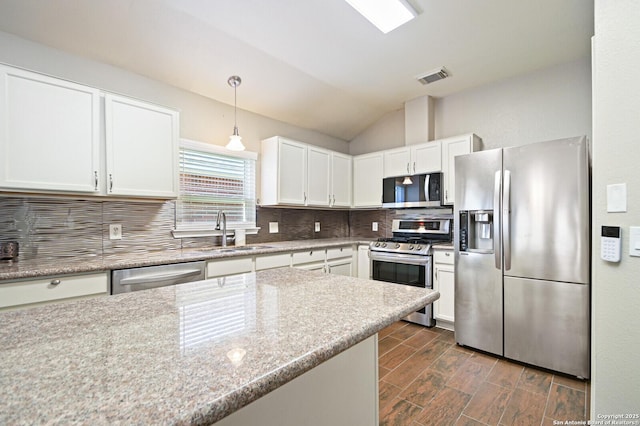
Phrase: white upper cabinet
(51, 141)
(452, 147)
(397, 162)
(367, 180)
(341, 180)
(49, 134)
(318, 176)
(141, 148)
(294, 173)
(426, 158)
(284, 172)
(413, 160)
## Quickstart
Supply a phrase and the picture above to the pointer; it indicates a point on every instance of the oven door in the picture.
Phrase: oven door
(405, 269)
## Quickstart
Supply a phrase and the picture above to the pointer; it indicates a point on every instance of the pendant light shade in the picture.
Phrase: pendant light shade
(235, 141)
(407, 181)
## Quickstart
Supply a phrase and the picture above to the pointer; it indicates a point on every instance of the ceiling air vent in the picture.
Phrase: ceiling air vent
(434, 75)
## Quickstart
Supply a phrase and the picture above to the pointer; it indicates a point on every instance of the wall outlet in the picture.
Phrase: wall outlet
(374, 226)
(115, 231)
(317, 227)
(273, 227)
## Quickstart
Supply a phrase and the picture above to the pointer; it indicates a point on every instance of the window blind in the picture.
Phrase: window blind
(210, 182)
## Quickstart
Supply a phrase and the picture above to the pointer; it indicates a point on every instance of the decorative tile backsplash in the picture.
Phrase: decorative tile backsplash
(54, 228)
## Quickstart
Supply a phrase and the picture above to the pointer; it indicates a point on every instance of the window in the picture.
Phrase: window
(213, 179)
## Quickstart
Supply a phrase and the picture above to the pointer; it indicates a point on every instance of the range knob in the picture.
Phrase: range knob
(384, 244)
(397, 245)
(377, 244)
(419, 248)
(410, 247)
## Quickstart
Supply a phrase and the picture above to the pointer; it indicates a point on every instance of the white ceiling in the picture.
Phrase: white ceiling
(312, 63)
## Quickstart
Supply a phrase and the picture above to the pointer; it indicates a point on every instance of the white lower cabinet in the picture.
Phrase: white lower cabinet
(364, 263)
(340, 261)
(443, 282)
(270, 261)
(42, 290)
(229, 266)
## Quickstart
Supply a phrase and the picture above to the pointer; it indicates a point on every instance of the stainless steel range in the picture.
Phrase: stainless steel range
(406, 258)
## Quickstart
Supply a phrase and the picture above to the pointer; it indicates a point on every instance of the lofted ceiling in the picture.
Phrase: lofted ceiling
(316, 64)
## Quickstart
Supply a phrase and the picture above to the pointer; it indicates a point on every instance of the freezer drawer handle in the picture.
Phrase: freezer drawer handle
(149, 278)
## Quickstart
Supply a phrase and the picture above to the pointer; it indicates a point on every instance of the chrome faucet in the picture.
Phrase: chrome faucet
(224, 226)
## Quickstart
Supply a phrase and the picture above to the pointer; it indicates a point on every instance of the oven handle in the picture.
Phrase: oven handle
(409, 259)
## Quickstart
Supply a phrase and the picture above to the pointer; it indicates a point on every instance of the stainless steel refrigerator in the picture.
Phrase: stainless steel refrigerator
(522, 253)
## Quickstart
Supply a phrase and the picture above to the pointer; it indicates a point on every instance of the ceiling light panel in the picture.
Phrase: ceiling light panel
(386, 15)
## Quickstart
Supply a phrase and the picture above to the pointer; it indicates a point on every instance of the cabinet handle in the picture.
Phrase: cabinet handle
(447, 254)
(408, 170)
(334, 199)
(110, 182)
(414, 167)
(446, 195)
(305, 198)
(436, 274)
(55, 282)
(95, 179)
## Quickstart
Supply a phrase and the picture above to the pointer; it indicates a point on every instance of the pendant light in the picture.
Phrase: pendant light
(235, 141)
(407, 181)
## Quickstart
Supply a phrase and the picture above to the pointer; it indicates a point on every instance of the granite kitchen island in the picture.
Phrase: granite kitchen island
(195, 353)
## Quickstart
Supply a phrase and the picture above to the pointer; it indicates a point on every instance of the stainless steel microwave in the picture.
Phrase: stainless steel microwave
(412, 191)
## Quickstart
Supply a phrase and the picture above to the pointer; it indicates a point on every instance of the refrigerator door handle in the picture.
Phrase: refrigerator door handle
(506, 220)
(496, 219)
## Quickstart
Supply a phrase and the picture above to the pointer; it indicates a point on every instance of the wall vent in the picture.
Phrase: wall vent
(434, 75)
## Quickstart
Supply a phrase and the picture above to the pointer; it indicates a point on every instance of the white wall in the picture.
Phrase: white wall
(615, 380)
(547, 104)
(552, 103)
(387, 132)
(201, 118)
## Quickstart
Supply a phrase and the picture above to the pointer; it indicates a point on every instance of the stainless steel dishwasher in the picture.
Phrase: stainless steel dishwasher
(134, 279)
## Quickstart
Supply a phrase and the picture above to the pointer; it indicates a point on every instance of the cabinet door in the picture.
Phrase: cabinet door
(50, 137)
(450, 149)
(367, 180)
(340, 180)
(292, 172)
(318, 179)
(426, 158)
(364, 263)
(43, 290)
(141, 148)
(443, 308)
(396, 162)
(342, 267)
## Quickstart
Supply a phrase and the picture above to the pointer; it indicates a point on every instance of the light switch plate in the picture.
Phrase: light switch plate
(273, 227)
(634, 241)
(374, 226)
(617, 198)
(317, 227)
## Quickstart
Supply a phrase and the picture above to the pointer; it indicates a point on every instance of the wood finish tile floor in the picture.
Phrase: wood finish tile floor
(426, 379)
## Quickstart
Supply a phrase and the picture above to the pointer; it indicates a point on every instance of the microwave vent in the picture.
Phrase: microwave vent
(433, 76)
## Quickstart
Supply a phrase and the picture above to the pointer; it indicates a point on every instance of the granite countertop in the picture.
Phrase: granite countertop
(40, 268)
(165, 356)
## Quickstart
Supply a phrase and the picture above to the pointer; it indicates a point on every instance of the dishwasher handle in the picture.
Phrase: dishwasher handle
(154, 278)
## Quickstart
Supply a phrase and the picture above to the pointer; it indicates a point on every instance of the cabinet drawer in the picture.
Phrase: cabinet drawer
(338, 252)
(240, 265)
(273, 261)
(443, 256)
(52, 288)
(307, 256)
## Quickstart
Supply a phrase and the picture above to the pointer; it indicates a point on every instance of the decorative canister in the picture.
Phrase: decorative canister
(8, 250)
